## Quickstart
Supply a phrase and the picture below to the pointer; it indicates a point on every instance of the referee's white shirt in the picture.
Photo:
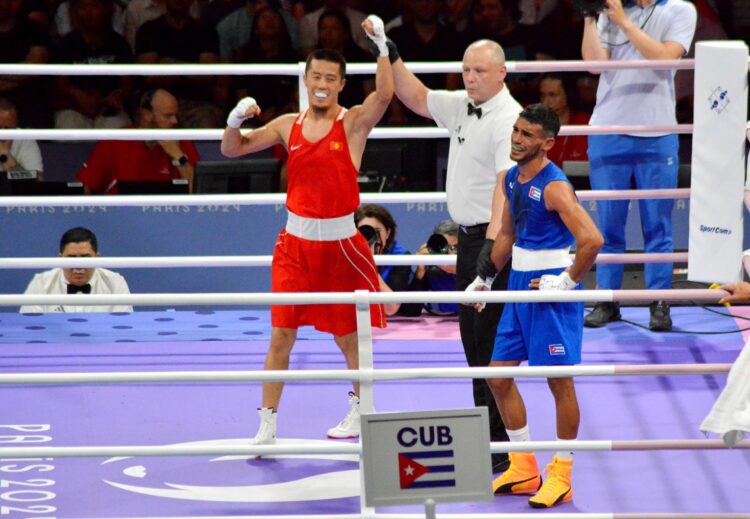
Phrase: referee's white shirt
(479, 149)
(52, 282)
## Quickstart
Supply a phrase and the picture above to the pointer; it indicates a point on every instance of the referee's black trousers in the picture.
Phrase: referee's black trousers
(478, 329)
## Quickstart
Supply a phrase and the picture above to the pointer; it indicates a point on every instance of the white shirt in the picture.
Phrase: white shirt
(52, 282)
(27, 154)
(642, 96)
(479, 150)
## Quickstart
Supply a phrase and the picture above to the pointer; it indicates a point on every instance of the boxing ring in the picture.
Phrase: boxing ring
(148, 414)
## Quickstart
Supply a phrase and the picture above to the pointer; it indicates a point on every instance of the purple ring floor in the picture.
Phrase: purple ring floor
(161, 414)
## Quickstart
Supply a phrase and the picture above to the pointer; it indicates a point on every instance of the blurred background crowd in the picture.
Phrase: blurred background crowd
(285, 31)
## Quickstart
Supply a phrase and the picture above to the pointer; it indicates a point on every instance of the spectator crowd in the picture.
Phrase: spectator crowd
(284, 31)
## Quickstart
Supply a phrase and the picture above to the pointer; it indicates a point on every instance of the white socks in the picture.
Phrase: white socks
(564, 455)
(522, 435)
(519, 435)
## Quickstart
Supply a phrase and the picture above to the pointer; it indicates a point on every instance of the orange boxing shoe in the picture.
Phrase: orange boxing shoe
(558, 486)
(522, 477)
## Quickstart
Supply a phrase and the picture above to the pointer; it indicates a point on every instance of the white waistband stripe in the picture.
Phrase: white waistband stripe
(321, 229)
(525, 260)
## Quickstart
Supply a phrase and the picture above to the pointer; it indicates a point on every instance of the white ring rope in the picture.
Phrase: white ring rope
(265, 261)
(352, 448)
(151, 377)
(293, 69)
(135, 134)
(216, 201)
(277, 298)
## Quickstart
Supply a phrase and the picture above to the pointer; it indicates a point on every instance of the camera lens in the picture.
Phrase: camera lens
(369, 234)
(437, 244)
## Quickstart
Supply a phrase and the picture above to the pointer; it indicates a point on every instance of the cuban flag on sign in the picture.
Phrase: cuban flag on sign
(434, 469)
(535, 193)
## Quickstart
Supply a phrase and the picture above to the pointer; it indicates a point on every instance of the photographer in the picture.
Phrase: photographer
(377, 225)
(444, 240)
(636, 30)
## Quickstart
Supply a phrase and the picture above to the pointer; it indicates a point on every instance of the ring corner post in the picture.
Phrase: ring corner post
(718, 161)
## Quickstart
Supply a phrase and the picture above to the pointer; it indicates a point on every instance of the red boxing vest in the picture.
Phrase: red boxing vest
(322, 180)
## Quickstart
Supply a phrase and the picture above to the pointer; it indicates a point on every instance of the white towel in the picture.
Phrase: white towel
(730, 415)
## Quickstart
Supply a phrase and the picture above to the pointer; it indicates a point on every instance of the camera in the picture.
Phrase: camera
(589, 7)
(436, 244)
(368, 232)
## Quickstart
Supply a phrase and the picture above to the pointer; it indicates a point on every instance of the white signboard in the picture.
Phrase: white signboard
(410, 457)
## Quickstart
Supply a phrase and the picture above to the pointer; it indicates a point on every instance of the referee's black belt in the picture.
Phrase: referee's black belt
(479, 229)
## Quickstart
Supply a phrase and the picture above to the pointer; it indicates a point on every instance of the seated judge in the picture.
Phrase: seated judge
(78, 242)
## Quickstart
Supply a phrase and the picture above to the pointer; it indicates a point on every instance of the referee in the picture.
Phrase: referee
(480, 121)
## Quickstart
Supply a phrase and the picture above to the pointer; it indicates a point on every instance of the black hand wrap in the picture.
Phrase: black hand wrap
(485, 268)
(393, 56)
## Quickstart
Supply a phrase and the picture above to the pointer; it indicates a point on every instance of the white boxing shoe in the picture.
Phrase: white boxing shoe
(348, 427)
(266, 434)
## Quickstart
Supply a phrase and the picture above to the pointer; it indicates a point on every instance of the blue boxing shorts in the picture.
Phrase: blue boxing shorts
(545, 334)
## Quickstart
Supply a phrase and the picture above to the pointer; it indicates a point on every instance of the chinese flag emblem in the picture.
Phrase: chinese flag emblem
(336, 146)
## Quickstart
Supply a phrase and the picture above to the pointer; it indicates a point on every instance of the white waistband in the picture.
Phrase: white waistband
(321, 229)
(525, 260)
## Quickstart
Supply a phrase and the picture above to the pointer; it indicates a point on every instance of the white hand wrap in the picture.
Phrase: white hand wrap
(480, 285)
(560, 282)
(238, 113)
(378, 34)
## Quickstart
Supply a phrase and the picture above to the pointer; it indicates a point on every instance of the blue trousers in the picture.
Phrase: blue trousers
(625, 162)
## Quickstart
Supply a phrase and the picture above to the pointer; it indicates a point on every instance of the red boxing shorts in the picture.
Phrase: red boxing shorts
(344, 265)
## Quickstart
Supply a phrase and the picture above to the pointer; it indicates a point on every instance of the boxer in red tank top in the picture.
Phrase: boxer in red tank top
(320, 249)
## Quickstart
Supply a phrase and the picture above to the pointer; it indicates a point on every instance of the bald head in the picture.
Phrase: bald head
(483, 70)
(159, 109)
(491, 50)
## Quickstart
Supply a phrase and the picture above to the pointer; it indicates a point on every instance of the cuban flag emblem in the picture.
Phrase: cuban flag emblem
(535, 193)
(434, 469)
(556, 349)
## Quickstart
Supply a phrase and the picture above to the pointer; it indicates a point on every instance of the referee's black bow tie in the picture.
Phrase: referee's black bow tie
(474, 110)
(73, 289)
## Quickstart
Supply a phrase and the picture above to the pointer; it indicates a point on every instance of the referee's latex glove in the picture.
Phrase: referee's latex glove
(485, 268)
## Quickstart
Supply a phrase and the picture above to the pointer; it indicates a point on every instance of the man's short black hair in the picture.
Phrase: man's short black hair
(79, 235)
(544, 116)
(331, 55)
